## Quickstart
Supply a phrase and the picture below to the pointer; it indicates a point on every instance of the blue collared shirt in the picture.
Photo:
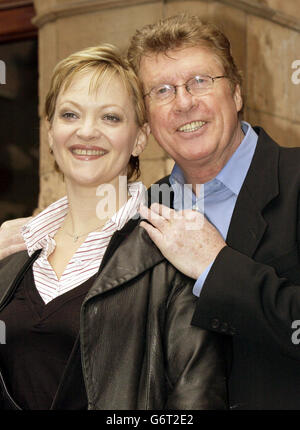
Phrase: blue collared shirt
(217, 198)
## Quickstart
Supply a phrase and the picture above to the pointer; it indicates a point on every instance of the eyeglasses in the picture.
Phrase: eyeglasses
(165, 93)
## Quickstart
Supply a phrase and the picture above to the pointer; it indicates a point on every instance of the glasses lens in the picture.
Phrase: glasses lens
(199, 83)
(162, 93)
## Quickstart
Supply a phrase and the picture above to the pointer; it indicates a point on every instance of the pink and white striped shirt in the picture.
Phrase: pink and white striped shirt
(39, 232)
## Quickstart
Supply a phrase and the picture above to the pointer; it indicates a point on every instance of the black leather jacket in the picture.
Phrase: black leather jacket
(138, 348)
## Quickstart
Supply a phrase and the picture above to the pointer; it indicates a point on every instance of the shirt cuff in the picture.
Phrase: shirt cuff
(200, 281)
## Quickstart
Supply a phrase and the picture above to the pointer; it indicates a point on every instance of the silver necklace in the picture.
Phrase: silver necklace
(75, 237)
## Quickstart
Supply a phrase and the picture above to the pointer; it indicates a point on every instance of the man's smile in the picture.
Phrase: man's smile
(191, 126)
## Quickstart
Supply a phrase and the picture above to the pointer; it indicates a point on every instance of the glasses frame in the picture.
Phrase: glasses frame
(213, 78)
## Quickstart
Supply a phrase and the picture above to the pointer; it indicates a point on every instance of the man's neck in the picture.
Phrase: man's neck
(201, 172)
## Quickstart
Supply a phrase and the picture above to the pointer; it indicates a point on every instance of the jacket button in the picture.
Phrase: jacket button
(224, 327)
(215, 323)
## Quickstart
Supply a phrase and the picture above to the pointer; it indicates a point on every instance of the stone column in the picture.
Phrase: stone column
(265, 37)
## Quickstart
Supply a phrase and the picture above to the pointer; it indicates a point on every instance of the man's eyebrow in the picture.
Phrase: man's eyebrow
(184, 79)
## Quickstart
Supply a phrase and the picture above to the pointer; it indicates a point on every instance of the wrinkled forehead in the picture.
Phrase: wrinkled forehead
(178, 63)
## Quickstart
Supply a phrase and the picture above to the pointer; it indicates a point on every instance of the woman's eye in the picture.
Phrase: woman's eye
(111, 117)
(69, 115)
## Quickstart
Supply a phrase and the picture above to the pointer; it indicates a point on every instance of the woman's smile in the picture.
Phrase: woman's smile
(87, 153)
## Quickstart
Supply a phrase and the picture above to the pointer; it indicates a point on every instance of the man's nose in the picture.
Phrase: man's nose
(88, 129)
(184, 101)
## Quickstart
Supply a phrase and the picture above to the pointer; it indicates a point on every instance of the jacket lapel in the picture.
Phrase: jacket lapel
(14, 268)
(122, 262)
(247, 224)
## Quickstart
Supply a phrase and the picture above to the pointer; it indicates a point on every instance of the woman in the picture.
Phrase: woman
(96, 318)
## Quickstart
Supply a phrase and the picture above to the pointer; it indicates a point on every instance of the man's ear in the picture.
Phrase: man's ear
(141, 140)
(237, 97)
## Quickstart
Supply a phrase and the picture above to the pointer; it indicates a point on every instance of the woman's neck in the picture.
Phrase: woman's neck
(91, 207)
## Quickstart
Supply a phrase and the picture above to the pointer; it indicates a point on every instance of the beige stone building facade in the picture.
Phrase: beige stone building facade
(265, 37)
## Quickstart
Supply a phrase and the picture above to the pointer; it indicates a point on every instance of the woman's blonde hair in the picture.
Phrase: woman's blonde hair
(182, 31)
(105, 61)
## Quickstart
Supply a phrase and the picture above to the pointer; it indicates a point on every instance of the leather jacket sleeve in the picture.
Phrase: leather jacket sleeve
(196, 358)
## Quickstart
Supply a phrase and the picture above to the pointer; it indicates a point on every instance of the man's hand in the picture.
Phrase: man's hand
(11, 240)
(185, 238)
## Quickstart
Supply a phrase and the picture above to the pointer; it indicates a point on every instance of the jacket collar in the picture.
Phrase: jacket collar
(15, 266)
(129, 253)
(123, 260)
(247, 224)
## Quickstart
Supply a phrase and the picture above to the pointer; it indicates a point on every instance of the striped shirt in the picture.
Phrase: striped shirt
(39, 232)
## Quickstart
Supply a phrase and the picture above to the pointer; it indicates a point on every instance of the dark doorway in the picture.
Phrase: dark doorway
(19, 125)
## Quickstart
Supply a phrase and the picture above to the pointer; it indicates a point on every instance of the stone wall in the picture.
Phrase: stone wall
(265, 37)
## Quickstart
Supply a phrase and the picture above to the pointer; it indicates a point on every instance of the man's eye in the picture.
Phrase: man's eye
(111, 117)
(165, 89)
(199, 80)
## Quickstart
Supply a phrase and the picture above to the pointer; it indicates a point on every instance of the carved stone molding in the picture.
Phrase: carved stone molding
(70, 8)
(82, 7)
(16, 21)
(12, 4)
(254, 8)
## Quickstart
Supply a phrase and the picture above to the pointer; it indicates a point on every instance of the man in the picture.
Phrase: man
(244, 258)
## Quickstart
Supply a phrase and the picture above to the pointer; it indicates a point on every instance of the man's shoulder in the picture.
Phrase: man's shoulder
(164, 180)
(288, 157)
(161, 192)
(265, 139)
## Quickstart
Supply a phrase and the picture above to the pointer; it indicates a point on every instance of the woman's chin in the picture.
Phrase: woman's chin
(83, 181)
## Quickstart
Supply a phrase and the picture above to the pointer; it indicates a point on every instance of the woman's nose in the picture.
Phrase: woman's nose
(88, 130)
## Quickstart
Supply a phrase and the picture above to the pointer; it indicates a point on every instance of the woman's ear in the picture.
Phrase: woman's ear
(141, 140)
(50, 136)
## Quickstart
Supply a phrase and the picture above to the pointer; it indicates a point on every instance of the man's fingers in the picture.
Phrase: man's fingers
(162, 210)
(153, 232)
(153, 217)
(12, 250)
(15, 223)
(11, 239)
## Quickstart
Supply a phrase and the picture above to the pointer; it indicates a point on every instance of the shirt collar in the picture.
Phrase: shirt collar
(39, 232)
(234, 172)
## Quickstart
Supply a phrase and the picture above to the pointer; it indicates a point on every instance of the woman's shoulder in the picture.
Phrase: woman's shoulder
(9, 269)
(143, 252)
